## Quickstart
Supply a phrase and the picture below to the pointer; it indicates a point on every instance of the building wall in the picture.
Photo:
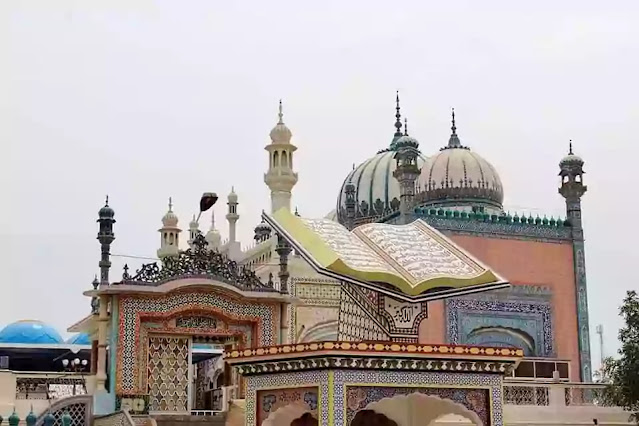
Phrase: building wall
(524, 262)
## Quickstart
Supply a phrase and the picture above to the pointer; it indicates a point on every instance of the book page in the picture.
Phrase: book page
(353, 252)
(422, 254)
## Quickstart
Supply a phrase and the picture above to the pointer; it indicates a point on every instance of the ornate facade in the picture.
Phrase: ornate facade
(160, 331)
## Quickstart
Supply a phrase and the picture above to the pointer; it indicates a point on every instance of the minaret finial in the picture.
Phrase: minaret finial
(398, 117)
(405, 126)
(212, 219)
(570, 147)
(106, 201)
(454, 128)
(280, 114)
(170, 204)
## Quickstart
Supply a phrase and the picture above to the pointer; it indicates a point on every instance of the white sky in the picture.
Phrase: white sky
(146, 99)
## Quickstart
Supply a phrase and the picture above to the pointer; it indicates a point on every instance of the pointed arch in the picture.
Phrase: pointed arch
(418, 409)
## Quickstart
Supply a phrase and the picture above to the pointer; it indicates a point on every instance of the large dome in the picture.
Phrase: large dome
(30, 331)
(459, 177)
(376, 190)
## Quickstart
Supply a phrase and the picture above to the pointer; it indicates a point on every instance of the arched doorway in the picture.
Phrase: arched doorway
(416, 409)
(504, 337)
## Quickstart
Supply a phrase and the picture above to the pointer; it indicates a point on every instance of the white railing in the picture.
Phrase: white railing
(553, 394)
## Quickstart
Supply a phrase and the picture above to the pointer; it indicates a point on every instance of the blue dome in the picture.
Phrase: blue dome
(30, 331)
(79, 339)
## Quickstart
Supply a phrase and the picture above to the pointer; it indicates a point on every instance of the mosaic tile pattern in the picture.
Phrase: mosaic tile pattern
(269, 401)
(287, 380)
(133, 309)
(344, 378)
(355, 324)
(168, 368)
(532, 317)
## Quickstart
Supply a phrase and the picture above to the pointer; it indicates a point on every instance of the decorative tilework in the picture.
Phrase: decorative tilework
(268, 401)
(582, 310)
(319, 294)
(531, 317)
(344, 378)
(476, 400)
(355, 323)
(287, 380)
(133, 309)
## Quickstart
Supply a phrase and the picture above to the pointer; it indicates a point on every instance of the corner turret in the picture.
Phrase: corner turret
(169, 234)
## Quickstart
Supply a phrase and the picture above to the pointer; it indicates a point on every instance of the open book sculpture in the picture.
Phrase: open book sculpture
(415, 259)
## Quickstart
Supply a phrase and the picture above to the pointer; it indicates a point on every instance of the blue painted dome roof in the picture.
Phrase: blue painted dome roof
(30, 331)
(79, 339)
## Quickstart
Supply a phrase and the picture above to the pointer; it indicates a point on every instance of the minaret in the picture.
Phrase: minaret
(572, 189)
(105, 237)
(398, 124)
(232, 217)
(213, 236)
(406, 173)
(194, 230)
(169, 234)
(280, 177)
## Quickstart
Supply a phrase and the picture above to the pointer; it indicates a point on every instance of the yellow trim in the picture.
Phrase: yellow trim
(327, 258)
(331, 398)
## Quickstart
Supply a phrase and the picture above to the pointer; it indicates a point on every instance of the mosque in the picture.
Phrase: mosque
(417, 300)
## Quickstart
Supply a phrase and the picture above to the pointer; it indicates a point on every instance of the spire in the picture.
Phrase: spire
(213, 219)
(405, 126)
(570, 148)
(453, 141)
(398, 117)
(170, 204)
(280, 114)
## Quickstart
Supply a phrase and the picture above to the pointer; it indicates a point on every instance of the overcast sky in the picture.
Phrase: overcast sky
(146, 99)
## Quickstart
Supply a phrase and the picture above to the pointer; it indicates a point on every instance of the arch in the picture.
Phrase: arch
(276, 159)
(322, 331)
(417, 409)
(285, 415)
(284, 159)
(503, 337)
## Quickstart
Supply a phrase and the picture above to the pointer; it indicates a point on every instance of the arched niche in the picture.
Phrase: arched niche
(503, 337)
(325, 331)
(418, 409)
(286, 415)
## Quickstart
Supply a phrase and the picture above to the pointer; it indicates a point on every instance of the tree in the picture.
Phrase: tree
(622, 375)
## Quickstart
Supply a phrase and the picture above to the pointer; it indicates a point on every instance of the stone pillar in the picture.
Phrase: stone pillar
(283, 249)
(103, 318)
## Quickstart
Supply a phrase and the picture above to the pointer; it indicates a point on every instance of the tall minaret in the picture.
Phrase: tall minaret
(105, 237)
(232, 217)
(169, 234)
(280, 177)
(572, 189)
(406, 173)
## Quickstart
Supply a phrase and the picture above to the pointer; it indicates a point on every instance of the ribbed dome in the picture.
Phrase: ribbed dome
(457, 175)
(170, 219)
(30, 331)
(376, 190)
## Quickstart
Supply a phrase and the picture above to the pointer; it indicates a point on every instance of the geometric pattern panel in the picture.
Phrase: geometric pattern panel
(416, 381)
(134, 309)
(301, 380)
(168, 369)
(476, 400)
(355, 323)
(269, 401)
(530, 318)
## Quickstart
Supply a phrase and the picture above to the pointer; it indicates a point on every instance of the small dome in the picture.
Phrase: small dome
(232, 198)
(30, 331)
(170, 219)
(281, 134)
(106, 212)
(456, 175)
(79, 339)
(571, 160)
(376, 190)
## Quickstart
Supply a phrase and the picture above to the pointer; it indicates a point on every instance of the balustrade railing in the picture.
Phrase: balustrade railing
(49, 385)
(546, 394)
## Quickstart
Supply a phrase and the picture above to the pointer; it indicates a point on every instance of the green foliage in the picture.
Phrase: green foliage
(622, 375)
